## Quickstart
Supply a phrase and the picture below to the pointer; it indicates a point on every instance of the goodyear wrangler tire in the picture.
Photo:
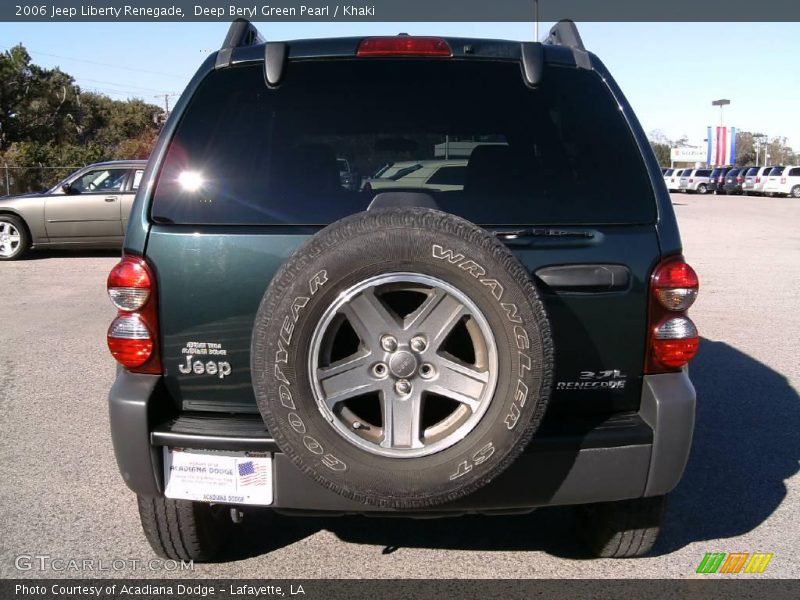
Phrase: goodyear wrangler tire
(402, 357)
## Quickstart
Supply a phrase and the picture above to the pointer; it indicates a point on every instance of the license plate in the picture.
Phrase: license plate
(225, 477)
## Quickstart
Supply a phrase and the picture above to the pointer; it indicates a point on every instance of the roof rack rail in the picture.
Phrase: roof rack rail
(565, 33)
(241, 33)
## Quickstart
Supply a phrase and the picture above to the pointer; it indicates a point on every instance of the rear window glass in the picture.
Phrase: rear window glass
(753, 171)
(668, 172)
(703, 173)
(776, 171)
(246, 154)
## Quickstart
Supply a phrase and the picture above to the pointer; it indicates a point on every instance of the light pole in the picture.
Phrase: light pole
(761, 141)
(722, 102)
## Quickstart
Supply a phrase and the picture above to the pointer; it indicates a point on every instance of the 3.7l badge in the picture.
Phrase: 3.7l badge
(611, 379)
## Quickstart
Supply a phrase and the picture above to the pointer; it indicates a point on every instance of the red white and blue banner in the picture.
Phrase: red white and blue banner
(721, 146)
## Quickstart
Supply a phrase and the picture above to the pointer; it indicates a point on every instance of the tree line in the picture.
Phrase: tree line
(47, 121)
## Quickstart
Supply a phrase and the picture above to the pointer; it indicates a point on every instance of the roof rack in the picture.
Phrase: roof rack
(243, 33)
(565, 33)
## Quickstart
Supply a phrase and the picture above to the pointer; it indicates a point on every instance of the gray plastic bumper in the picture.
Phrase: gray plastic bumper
(668, 406)
(128, 406)
(601, 465)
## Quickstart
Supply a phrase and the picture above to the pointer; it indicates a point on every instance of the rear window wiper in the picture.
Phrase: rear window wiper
(546, 232)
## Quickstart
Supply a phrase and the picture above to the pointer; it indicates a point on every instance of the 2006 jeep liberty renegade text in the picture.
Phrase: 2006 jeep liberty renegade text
(479, 319)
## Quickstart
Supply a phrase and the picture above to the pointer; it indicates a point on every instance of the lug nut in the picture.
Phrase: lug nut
(426, 371)
(403, 387)
(389, 343)
(418, 343)
(379, 370)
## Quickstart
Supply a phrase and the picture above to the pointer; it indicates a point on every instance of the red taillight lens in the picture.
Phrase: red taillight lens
(758, 179)
(133, 336)
(129, 284)
(673, 338)
(739, 179)
(130, 341)
(403, 46)
(675, 353)
(675, 285)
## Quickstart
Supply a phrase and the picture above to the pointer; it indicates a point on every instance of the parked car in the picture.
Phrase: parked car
(667, 173)
(783, 181)
(392, 352)
(347, 177)
(89, 208)
(695, 181)
(443, 175)
(674, 182)
(754, 180)
(717, 179)
(734, 179)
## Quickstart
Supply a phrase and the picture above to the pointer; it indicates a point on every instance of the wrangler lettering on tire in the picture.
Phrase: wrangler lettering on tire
(405, 348)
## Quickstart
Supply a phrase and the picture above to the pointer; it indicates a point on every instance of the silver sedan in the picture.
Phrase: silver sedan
(89, 208)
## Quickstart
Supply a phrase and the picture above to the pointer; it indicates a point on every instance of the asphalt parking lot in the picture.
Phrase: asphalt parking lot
(62, 496)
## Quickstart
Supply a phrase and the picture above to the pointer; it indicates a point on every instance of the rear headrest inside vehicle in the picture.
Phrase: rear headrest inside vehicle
(495, 170)
(309, 169)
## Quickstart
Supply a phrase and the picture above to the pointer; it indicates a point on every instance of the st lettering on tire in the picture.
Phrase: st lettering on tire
(402, 357)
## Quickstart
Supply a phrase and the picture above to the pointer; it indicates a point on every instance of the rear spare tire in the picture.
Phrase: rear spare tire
(402, 357)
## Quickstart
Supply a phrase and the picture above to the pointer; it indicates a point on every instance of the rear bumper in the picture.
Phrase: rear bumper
(627, 456)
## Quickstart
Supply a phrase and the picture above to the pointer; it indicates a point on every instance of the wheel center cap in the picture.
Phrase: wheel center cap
(403, 364)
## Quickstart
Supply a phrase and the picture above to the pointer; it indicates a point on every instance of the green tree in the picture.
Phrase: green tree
(778, 150)
(745, 148)
(46, 120)
(662, 152)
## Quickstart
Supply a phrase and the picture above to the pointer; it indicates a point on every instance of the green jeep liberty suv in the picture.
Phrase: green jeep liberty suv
(507, 330)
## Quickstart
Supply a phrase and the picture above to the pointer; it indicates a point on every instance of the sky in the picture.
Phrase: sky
(670, 72)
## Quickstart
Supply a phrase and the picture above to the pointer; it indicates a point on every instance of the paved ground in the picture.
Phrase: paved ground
(61, 494)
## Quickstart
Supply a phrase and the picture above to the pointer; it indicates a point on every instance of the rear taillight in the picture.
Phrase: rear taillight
(403, 45)
(672, 338)
(129, 284)
(739, 179)
(133, 335)
(675, 343)
(758, 179)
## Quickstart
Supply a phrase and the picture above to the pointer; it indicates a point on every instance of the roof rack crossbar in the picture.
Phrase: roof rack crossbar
(241, 33)
(565, 33)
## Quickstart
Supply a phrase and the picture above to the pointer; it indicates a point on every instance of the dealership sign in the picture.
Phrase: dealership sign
(720, 148)
(688, 154)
